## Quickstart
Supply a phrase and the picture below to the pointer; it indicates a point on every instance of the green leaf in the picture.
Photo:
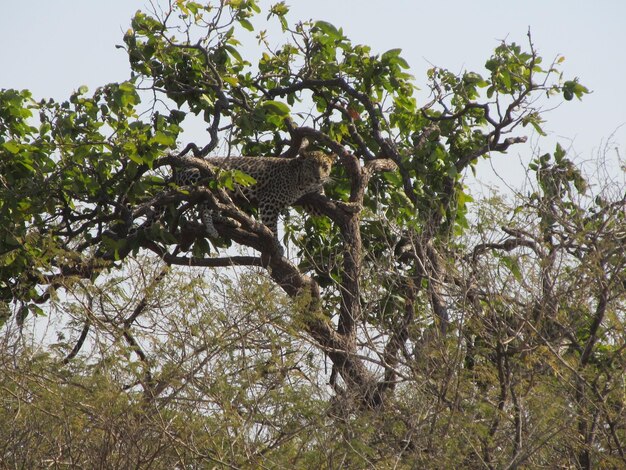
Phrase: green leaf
(12, 146)
(279, 9)
(534, 119)
(572, 88)
(559, 153)
(164, 139)
(253, 6)
(391, 53)
(276, 107)
(328, 29)
(207, 99)
(393, 57)
(513, 265)
(36, 310)
(538, 128)
(234, 52)
(242, 178)
(506, 79)
(200, 248)
(233, 81)
(246, 24)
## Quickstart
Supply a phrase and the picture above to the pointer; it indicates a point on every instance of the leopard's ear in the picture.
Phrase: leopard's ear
(317, 153)
(305, 154)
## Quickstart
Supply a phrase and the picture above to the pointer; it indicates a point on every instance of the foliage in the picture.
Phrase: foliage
(491, 341)
(91, 155)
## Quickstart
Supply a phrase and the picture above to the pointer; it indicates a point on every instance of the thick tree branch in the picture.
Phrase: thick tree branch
(598, 316)
(398, 338)
(202, 262)
(79, 344)
(493, 146)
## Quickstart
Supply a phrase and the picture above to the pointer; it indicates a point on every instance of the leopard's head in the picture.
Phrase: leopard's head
(316, 167)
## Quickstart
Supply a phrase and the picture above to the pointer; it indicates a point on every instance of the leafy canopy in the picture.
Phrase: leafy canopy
(71, 169)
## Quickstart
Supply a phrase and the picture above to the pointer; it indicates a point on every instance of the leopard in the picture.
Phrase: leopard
(278, 183)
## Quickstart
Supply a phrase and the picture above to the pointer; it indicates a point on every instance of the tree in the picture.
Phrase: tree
(388, 284)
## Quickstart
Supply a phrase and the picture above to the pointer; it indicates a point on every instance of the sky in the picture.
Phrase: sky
(53, 47)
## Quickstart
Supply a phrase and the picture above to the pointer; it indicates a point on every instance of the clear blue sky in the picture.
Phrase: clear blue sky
(53, 47)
